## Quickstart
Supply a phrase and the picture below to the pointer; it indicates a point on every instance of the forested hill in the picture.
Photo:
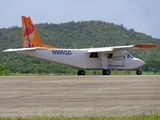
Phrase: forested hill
(82, 34)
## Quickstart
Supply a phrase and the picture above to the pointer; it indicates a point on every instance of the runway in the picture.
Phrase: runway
(79, 95)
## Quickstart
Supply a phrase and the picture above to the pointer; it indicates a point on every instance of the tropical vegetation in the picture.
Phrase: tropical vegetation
(81, 34)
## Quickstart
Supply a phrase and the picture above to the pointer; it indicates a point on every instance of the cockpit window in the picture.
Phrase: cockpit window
(129, 56)
(93, 55)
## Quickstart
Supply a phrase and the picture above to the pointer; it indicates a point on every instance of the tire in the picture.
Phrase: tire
(81, 72)
(139, 72)
(78, 73)
(106, 72)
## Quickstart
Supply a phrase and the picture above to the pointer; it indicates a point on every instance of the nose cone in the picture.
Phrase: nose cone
(141, 62)
(138, 63)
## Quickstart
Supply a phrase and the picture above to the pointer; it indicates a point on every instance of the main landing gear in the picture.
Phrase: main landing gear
(81, 72)
(106, 72)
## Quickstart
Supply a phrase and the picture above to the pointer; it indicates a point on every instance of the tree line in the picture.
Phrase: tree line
(82, 34)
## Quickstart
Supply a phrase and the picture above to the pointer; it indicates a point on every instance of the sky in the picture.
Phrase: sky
(141, 15)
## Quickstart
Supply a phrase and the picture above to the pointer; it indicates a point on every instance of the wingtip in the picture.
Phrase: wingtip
(145, 45)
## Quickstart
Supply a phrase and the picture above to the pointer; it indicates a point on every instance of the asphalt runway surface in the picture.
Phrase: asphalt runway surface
(79, 95)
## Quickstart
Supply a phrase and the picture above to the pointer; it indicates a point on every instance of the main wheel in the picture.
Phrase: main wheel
(139, 72)
(81, 72)
(106, 72)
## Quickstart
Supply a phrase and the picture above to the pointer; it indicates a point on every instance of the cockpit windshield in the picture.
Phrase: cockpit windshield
(129, 56)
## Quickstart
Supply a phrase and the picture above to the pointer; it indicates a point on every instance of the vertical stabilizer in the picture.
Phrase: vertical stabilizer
(29, 34)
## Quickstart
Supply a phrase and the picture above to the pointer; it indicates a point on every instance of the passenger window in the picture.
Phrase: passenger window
(93, 55)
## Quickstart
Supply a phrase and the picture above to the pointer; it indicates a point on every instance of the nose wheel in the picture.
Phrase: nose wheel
(106, 72)
(139, 72)
(81, 72)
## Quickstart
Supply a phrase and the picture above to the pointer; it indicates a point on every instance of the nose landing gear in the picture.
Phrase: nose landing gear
(139, 72)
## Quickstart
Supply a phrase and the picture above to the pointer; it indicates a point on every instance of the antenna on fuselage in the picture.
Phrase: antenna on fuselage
(74, 46)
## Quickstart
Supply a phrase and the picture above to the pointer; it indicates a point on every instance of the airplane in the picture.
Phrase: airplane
(103, 58)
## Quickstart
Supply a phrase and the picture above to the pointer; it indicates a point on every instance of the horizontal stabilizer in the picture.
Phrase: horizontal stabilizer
(23, 49)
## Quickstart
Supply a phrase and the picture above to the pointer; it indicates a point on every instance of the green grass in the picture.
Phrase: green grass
(88, 72)
(154, 116)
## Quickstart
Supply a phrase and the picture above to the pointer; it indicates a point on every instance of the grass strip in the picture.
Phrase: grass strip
(154, 116)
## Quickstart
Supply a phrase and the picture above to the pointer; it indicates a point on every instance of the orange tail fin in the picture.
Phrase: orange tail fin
(30, 35)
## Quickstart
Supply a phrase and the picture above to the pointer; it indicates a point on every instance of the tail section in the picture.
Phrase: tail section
(30, 35)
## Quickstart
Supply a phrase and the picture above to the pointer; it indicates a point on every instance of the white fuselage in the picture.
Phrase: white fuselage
(79, 58)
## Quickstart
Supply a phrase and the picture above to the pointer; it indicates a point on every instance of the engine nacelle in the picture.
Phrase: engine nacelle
(117, 54)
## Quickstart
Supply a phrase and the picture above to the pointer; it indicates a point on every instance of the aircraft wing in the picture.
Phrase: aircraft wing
(120, 48)
(104, 49)
(23, 49)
